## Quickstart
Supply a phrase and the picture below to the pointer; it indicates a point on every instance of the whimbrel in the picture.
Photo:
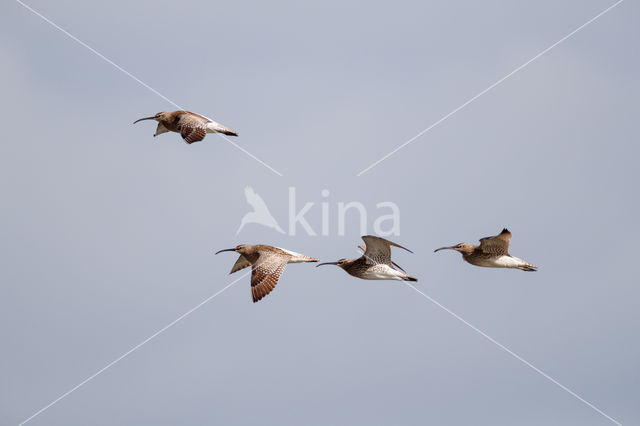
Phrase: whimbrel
(375, 263)
(191, 126)
(395, 265)
(493, 252)
(267, 264)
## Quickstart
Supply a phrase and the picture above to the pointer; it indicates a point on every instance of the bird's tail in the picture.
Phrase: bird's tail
(214, 127)
(528, 267)
(300, 258)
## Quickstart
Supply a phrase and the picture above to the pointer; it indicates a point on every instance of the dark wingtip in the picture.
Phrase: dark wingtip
(230, 133)
(398, 266)
(411, 279)
(529, 268)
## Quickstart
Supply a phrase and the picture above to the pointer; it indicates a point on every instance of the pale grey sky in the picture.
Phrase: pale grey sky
(107, 234)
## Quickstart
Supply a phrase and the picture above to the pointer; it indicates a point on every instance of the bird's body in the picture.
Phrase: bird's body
(191, 126)
(491, 261)
(375, 263)
(267, 264)
(492, 252)
(361, 269)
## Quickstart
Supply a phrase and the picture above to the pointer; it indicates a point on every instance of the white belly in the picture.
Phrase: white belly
(382, 272)
(505, 262)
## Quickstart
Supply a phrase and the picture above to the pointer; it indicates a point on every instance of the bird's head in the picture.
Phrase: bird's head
(463, 248)
(341, 263)
(158, 117)
(241, 249)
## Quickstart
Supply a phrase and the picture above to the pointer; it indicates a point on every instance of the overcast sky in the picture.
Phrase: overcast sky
(107, 234)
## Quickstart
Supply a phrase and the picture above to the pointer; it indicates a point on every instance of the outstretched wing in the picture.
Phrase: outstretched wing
(395, 265)
(160, 130)
(498, 244)
(378, 250)
(265, 274)
(192, 128)
(241, 263)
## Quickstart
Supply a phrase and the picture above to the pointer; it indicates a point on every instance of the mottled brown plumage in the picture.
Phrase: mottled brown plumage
(191, 126)
(395, 265)
(492, 252)
(267, 263)
(375, 263)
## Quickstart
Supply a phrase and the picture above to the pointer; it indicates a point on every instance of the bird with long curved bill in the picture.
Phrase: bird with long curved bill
(267, 264)
(191, 126)
(375, 263)
(492, 252)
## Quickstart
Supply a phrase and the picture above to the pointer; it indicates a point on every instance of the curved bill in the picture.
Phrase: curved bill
(443, 248)
(231, 249)
(146, 118)
(326, 263)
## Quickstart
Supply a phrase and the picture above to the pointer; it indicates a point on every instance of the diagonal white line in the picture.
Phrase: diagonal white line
(251, 155)
(489, 88)
(135, 348)
(100, 55)
(515, 355)
(109, 61)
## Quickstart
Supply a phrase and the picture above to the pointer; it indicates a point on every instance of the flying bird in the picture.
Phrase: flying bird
(493, 252)
(191, 126)
(395, 265)
(260, 213)
(375, 263)
(267, 264)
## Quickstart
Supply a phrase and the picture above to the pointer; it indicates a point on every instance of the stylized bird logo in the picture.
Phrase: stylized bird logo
(260, 213)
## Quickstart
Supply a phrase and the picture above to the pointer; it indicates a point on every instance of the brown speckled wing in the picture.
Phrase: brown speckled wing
(498, 244)
(241, 263)
(192, 128)
(395, 265)
(192, 134)
(378, 250)
(265, 274)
